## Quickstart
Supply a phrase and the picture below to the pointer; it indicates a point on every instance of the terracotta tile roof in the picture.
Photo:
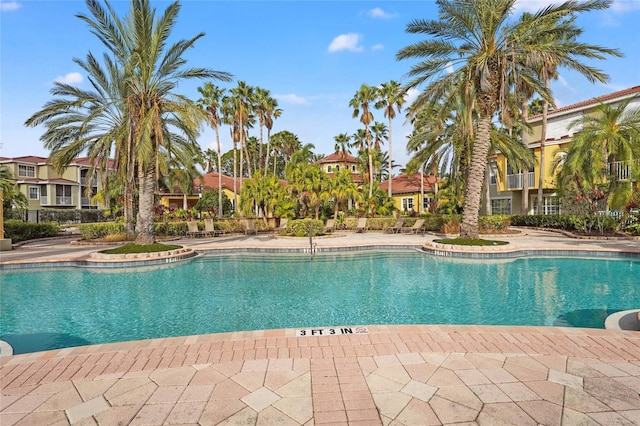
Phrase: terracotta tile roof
(403, 184)
(337, 157)
(210, 181)
(39, 181)
(593, 101)
(32, 159)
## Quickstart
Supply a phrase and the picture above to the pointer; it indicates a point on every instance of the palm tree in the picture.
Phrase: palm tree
(272, 111)
(243, 96)
(360, 103)
(391, 98)
(341, 189)
(262, 192)
(607, 141)
(342, 146)
(211, 102)
(157, 119)
(479, 41)
(93, 121)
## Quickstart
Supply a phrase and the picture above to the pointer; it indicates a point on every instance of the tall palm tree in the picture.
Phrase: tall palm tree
(157, 118)
(391, 98)
(211, 102)
(93, 121)
(479, 41)
(271, 111)
(360, 102)
(342, 146)
(243, 95)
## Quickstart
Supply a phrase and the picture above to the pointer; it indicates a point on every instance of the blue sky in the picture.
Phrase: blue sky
(311, 55)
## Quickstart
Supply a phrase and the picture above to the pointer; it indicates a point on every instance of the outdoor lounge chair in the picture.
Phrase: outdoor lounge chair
(395, 229)
(330, 226)
(362, 225)
(250, 228)
(283, 225)
(416, 228)
(193, 230)
(210, 229)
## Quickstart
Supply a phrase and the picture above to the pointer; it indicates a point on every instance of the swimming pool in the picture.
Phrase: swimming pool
(48, 309)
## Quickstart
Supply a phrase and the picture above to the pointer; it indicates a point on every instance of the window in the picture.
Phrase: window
(427, 203)
(329, 169)
(492, 177)
(407, 204)
(337, 168)
(34, 193)
(26, 171)
(501, 206)
(550, 205)
(353, 169)
(63, 194)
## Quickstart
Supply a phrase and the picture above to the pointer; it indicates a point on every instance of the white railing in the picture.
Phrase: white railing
(64, 201)
(85, 201)
(84, 180)
(515, 181)
(44, 199)
(623, 169)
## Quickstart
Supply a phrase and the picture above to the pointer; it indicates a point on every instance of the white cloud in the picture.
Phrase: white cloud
(377, 47)
(292, 98)
(411, 96)
(9, 5)
(450, 68)
(70, 78)
(533, 5)
(380, 14)
(621, 6)
(346, 42)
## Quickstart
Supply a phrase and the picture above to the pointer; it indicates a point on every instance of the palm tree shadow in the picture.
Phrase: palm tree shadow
(587, 318)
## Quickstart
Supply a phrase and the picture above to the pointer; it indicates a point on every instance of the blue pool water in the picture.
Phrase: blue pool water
(47, 309)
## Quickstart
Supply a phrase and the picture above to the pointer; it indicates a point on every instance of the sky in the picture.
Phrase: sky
(311, 55)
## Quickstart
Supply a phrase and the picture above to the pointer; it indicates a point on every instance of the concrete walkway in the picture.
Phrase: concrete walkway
(400, 375)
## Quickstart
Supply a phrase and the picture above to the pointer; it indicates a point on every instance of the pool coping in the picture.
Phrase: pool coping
(429, 248)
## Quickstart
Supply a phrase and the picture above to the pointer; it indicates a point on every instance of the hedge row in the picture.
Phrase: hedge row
(567, 222)
(18, 230)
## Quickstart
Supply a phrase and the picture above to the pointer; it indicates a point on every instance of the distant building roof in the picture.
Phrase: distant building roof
(209, 181)
(337, 157)
(404, 184)
(34, 159)
(619, 95)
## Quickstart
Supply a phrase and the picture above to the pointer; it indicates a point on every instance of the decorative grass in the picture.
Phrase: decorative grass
(141, 248)
(471, 242)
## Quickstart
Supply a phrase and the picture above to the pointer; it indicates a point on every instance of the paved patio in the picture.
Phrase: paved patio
(400, 375)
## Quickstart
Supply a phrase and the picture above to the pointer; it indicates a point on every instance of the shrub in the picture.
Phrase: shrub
(492, 224)
(18, 230)
(90, 231)
(300, 228)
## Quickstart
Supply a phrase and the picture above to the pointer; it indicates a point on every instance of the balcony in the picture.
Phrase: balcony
(84, 181)
(86, 201)
(515, 181)
(64, 201)
(623, 169)
(44, 200)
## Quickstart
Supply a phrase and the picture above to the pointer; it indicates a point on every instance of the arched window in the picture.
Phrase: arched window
(328, 169)
(337, 168)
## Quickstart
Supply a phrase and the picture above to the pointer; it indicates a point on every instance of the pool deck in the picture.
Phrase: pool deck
(400, 375)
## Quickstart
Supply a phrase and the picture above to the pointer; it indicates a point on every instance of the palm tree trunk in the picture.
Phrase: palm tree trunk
(390, 169)
(370, 164)
(235, 176)
(144, 224)
(473, 191)
(219, 173)
(543, 138)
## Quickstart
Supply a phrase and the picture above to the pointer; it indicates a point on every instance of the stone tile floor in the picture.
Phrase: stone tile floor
(392, 375)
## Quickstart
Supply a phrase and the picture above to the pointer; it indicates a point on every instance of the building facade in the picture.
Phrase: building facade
(45, 187)
(506, 185)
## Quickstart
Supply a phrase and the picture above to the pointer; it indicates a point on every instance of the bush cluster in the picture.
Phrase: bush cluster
(567, 222)
(18, 230)
(300, 228)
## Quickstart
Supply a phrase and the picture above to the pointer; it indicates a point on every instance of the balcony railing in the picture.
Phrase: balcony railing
(623, 169)
(64, 201)
(84, 180)
(44, 200)
(515, 181)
